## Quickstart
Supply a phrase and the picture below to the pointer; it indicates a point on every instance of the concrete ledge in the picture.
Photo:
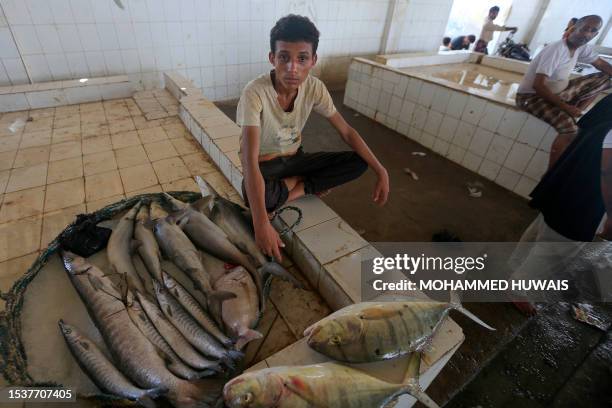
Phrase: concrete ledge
(60, 93)
(324, 247)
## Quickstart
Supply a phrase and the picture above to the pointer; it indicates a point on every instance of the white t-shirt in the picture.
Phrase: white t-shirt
(556, 63)
(281, 132)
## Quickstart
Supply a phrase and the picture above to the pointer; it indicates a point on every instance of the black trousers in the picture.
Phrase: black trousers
(320, 171)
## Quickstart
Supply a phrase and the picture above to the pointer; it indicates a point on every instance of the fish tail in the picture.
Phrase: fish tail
(411, 385)
(230, 357)
(247, 337)
(275, 269)
(455, 303)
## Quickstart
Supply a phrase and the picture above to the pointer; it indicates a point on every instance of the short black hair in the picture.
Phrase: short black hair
(446, 40)
(494, 8)
(589, 17)
(294, 28)
(472, 38)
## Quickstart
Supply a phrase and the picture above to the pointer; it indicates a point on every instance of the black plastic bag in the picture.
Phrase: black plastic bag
(85, 238)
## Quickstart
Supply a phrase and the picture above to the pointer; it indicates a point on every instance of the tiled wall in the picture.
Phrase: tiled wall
(558, 14)
(495, 140)
(219, 45)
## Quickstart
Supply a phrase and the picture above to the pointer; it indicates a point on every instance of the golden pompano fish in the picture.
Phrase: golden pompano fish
(372, 331)
(329, 385)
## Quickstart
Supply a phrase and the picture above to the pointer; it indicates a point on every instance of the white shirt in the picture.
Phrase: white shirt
(556, 62)
(281, 132)
(488, 28)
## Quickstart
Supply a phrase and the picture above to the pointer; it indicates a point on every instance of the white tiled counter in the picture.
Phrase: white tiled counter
(324, 247)
(494, 139)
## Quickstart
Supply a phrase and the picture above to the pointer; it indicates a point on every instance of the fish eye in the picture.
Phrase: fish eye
(335, 340)
(247, 398)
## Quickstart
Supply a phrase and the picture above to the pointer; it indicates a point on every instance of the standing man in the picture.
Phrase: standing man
(272, 112)
(488, 29)
(572, 198)
(546, 91)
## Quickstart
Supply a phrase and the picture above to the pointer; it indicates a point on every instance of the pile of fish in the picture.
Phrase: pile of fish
(360, 333)
(164, 338)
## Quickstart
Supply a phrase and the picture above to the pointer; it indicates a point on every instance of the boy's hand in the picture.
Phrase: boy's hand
(268, 240)
(381, 190)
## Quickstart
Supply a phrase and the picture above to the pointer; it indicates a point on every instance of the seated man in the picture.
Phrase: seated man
(546, 91)
(272, 112)
(462, 42)
(445, 44)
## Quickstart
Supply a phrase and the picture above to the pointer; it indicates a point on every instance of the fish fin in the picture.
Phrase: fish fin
(205, 188)
(455, 303)
(411, 385)
(275, 269)
(375, 313)
(230, 357)
(95, 282)
(215, 300)
(134, 245)
(169, 310)
(297, 386)
(247, 337)
(175, 203)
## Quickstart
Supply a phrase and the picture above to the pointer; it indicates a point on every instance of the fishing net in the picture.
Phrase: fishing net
(31, 346)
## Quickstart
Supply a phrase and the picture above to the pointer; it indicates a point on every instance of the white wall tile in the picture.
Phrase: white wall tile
(102, 12)
(441, 99)
(414, 89)
(25, 36)
(58, 65)
(96, 63)
(511, 123)
(44, 99)
(463, 135)
(507, 178)
(489, 169)
(13, 102)
(82, 11)
(384, 100)
(407, 111)
(481, 141)
(473, 109)
(499, 149)
(428, 140)
(49, 39)
(419, 117)
(471, 161)
(15, 71)
(519, 156)
(16, 12)
(548, 139)
(491, 116)
(456, 153)
(37, 67)
(114, 63)
(432, 125)
(525, 186)
(537, 165)
(62, 11)
(40, 12)
(8, 49)
(533, 131)
(441, 147)
(447, 128)
(69, 37)
(81, 94)
(456, 104)
(426, 95)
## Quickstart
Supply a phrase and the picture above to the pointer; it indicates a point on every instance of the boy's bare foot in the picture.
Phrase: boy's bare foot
(525, 307)
(323, 193)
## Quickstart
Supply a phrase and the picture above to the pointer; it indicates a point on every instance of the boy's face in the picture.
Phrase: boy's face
(292, 62)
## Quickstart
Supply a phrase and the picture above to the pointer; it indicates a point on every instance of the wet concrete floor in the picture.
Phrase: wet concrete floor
(439, 200)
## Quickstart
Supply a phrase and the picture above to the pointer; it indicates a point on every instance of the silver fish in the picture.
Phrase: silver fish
(327, 385)
(148, 249)
(233, 220)
(125, 341)
(373, 331)
(240, 314)
(193, 307)
(101, 370)
(174, 338)
(178, 248)
(196, 335)
(120, 247)
(174, 362)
